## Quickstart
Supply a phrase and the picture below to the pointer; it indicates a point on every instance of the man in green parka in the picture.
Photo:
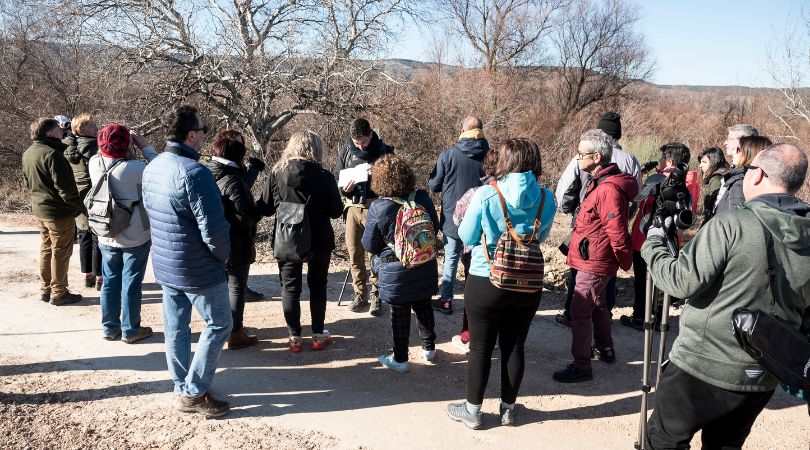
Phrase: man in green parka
(55, 202)
(711, 383)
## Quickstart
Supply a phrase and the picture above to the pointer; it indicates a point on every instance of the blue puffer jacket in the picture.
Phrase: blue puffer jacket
(190, 241)
(397, 284)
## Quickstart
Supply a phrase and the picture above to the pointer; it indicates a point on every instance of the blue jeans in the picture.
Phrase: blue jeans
(193, 378)
(452, 254)
(123, 270)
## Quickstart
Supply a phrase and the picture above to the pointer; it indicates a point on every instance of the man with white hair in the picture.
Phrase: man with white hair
(735, 132)
(600, 244)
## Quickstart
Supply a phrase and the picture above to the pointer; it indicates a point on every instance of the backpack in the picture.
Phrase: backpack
(517, 264)
(106, 216)
(414, 235)
(292, 236)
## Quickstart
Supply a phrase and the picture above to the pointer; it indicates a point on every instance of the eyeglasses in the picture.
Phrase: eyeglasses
(747, 167)
(204, 129)
(582, 155)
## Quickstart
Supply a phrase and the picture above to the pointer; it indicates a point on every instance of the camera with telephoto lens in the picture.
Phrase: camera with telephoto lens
(672, 200)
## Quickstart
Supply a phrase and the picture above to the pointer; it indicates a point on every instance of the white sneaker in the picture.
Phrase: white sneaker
(456, 340)
(429, 355)
(389, 362)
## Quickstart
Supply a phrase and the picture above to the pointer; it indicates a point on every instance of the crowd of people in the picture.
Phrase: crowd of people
(198, 220)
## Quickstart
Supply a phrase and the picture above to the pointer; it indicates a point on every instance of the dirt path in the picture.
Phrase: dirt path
(62, 386)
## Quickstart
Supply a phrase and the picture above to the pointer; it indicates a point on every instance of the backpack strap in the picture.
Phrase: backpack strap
(508, 222)
(509, 227)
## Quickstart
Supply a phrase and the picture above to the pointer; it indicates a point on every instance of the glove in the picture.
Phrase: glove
(662, 230)
(256, 163)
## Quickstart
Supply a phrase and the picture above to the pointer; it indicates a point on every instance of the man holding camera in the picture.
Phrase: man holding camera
(711, 383)
(362, 149)
(600, 244)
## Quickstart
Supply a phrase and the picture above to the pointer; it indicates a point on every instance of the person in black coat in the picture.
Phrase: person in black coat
(298, 177)
(234, 181)
(362, 148)
(457, 170)
(403, 288)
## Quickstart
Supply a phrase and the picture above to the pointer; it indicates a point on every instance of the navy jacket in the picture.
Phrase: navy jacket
(190, 241)
(397, 284)
(457, 170)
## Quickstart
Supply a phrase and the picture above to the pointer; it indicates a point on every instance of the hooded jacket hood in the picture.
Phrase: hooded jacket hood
(520, 190)
(785, 216)
(473, 148)
(625, 182)
(296, 176)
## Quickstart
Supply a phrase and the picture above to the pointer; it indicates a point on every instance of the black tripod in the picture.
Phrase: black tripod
(651, 300)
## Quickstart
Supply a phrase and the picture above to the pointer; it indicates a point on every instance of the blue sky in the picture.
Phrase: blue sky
(710, 42)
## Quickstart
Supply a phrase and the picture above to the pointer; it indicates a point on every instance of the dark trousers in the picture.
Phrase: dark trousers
(610, 292)
(496, 315)
(684, 405)
(291, 274)
(401, 326)
(89, 255)
(590, 318)
(237, 283)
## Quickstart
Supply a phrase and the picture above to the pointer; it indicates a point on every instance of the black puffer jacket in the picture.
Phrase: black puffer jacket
(397, 284)
(457, 170)
(731, 195)
(80, 150)
(240, 211)
(350, 156)
(303, 180)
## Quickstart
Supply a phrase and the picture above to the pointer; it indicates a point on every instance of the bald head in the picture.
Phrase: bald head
(781, 168)
(471, 123)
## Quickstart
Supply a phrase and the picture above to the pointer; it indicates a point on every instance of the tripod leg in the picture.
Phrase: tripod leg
(346, 280)
(645, 377)
(662, 342)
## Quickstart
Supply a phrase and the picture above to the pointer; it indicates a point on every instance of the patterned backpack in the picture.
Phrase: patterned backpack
(518, 261)
(414, 236)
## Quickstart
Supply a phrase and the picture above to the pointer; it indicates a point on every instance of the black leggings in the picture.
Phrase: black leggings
(505, 316)
(237, 283)
(291, 280)
(401, 326)
(89, 254)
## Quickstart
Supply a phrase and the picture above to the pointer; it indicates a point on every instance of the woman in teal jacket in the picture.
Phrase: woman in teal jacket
(494, 313)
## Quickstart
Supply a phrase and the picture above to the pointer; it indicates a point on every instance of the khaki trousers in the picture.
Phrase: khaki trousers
(355, 226)
(54, 254)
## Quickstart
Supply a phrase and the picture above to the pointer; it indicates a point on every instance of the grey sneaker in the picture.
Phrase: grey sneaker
(459, 413)
(205, 404)
(508, 415)
(142, 333)
(359, 303)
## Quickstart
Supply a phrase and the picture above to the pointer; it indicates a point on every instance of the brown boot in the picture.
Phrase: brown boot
(240, 339)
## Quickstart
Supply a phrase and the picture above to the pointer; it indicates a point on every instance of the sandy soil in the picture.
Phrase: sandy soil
(62, 386)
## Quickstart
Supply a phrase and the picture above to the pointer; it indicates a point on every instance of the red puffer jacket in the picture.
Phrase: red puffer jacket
(600, 243)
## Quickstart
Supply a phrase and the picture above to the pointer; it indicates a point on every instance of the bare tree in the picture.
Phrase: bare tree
(256, 63)
(503, 32)
(789, 65)
(599, 54)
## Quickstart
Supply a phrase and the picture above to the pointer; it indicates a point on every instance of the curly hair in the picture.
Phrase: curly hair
(391, 176)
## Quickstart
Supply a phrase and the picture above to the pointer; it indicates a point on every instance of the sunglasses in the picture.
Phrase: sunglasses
(204, 129)
(747, 167)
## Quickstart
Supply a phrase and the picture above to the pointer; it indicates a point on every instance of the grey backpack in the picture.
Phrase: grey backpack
(106, 216)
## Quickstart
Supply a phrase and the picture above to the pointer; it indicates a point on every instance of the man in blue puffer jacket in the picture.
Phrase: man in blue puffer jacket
(190, 244)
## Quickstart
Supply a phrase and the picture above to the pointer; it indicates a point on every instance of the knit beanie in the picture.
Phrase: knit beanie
(113, 141)
(611, 123)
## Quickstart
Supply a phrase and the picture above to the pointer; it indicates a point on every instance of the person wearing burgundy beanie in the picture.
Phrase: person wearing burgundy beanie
(124, 256)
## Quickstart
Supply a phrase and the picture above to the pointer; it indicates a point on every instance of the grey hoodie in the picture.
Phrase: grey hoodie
(725, 267)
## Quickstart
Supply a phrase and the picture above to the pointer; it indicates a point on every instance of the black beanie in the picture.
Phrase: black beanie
(611, 123)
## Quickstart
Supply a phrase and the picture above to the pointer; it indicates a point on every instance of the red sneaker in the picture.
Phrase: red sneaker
(296, 344)
(320, 341)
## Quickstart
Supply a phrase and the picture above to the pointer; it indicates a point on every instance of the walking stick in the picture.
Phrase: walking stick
(346, 280)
